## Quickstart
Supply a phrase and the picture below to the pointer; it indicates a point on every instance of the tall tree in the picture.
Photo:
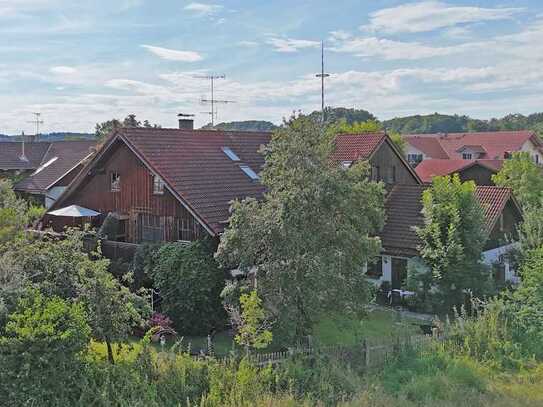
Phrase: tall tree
(524, 177)
(104, 129)
(311, 234)
(453, 238)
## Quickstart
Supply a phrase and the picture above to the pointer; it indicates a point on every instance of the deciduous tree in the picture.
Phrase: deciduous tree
(311, 234)
(453, 238)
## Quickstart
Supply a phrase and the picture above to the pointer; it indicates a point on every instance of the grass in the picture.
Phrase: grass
(348, 331)
(331, 330)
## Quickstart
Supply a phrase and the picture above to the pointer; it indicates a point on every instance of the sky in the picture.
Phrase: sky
(87, 61)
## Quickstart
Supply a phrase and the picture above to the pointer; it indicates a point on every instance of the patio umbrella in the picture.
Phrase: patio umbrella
(74, 211)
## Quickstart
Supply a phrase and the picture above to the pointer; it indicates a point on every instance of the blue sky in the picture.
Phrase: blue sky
(80, 62)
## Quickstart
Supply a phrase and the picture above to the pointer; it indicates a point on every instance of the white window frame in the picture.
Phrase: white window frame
(115, 181)
(158, 185)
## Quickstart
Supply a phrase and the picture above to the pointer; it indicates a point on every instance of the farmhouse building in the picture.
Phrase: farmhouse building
(404, 212)
(167, 184)
(478, 171)
(44, 169)
(472, 146)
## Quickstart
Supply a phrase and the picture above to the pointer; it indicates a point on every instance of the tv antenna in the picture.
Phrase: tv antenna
(37, 122)
(213, 101)
(322, 76)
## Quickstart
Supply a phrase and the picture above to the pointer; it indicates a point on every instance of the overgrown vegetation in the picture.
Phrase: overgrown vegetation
(190, 283)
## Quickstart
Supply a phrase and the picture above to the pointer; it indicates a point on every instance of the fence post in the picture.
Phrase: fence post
(366, 353)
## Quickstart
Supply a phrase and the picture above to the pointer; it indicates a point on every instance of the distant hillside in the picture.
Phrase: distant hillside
(248, 125)
(334, 114)
(441, 123)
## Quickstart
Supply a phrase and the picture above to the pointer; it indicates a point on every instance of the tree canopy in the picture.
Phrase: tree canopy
(453, 238)
(311, 234)
(104, 129)
(524, 177)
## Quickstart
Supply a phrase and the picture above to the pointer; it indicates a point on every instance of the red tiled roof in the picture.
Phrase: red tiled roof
(493, 145)
(404, 211)
(429, 169)
(493, 201)
(68, 155)
(194, 166)
(430, 146)
(11, 151)
(352, 147)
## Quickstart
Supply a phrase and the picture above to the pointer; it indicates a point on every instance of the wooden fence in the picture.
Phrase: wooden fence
(370, 354)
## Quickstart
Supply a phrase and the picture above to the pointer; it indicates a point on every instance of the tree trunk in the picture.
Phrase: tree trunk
(110, 352)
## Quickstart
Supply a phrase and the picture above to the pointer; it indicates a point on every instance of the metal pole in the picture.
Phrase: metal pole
(322, 75)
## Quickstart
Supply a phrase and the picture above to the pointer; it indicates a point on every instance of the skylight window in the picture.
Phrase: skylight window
(230, 154)
(44, 166)
(249, 172)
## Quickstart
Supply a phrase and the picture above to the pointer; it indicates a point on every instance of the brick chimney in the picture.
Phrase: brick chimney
(186, 121)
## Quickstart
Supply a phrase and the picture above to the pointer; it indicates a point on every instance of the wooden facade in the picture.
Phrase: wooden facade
(388, 167)
(143, 214)
(477, 173)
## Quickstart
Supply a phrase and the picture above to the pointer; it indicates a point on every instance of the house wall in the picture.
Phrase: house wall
(480, 175)
(409, 149)
(386, 159)
(134, 200)
(530, 148)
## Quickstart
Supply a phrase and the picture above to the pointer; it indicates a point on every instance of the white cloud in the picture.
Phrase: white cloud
(202, 8)
(63, 70)
(394, 50)
(291, 44)
(432, 15)
(174, 55)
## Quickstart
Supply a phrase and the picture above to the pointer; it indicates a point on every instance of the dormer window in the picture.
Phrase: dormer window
(115, 182)
(467, 156)
(158, 185)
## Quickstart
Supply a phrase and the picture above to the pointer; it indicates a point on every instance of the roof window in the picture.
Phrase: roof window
(44, 166)
(230, 154)
(249, 172)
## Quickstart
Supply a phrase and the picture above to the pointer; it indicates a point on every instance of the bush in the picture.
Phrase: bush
(190, 283)
(40, 351)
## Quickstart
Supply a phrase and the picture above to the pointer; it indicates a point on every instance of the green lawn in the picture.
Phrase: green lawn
(348, 331)
(332, 330)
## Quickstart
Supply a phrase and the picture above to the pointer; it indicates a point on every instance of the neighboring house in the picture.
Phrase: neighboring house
(479, 171)
(45, 169)
(178, 184)
(404, 212)
(168, 184)
(386, 161)
(472, 146)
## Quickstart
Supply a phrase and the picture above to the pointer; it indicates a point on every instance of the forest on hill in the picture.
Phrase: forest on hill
(431, 123)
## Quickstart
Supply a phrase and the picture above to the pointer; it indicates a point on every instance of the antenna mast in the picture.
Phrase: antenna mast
(37, 122)
(323, 76)
(213, 101)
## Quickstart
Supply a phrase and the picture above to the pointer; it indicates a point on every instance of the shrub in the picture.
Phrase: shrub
(190, 283)
(40, 351)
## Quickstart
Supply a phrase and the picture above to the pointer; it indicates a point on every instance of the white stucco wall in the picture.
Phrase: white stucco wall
(529, 147)
(409, 149)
